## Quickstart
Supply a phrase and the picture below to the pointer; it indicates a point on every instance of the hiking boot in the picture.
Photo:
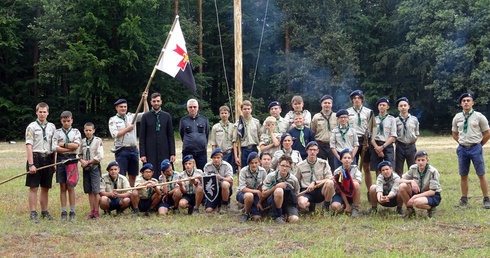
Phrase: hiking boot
(244, 217)
(399, 210)
(33, 217)
(410, 212)
(64, 216)
(372, 211)
(196, 210)
(463, 202)
(46, 215)
(326, 207)
(486, 202)
(136, 212)
(355, 212)
(431, 212)
(96, 215)
(279, 220)
(72, 216)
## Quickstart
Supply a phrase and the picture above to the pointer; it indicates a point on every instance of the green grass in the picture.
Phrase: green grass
(454, 232)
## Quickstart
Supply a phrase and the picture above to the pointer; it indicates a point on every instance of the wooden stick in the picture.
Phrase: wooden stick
(41, 168)
(316, 186)
(159, 184)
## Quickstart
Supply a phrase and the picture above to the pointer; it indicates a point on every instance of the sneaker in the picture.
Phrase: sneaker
(399, 210)
(136, 212)
(279, 220)
(190, 210)
(410, 212)
(64, 216)
(431, 212)
(46, 215)
(196, 210)
(486, 203)
(463, 202)
(72, 216)
(96, 215)
(372, 211)
(244, 217)
(33, 217)
(326, 207)
(355, 212)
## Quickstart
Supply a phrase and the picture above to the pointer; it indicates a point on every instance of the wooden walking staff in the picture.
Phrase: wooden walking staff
(153, 72)
(37, 169)
(159, 184)
(318, 185)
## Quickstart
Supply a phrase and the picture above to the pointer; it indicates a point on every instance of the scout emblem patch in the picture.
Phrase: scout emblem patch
(72, 173)
(344, 183)
(211, 187)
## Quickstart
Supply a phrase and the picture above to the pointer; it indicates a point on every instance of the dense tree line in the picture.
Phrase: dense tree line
(83, 55)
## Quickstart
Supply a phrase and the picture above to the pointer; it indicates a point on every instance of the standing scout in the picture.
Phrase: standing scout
(286, 149)
(248, 133)
(66, 141)
(343, 137)
(222, 136)
(383, 135)
(91, 153)
(224, 176)
(39, 135)
(282, 125)
(156, 135)
(269, 139)
(471, 131)
(109, 198)
(407, 132)
(123, 131)
(322, 125)
(250, 188)
(359, 117)
(297, 104)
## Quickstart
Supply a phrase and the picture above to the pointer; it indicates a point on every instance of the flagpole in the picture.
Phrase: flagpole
(237, 7)
(154, 70)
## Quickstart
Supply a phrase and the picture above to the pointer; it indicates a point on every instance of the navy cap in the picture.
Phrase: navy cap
(420, 153)
(342, 112)
(273, 104)
(357, 93)
(343, 152)
(146, 166)
(465, 95)
(381, 100)
(251, 156)
(384, 163)
(216, 151)
(402, 99)
(165, 164)
(112, 163)
(311, 144)
(120, 101)
(326, 97)
(187, 158)
(283, 136)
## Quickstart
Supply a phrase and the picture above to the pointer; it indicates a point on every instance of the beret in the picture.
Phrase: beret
(283, 136)
(356, 93)
(326, 97)
(402, 99)
(112, 163)
(343, 152)
(146, 166)
(165, 164)
(251, 156)
(311, 144)
(120, 101)
(464, 95)
(342, 112)
(420, 153)
(187, 158)
(273, 104)
(381, 100)
(216, 151)
(384, 163)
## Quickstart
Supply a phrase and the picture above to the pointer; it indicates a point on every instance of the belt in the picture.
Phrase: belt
(382, 143)
(249, 147)
(126, 147)
(42, 155)
(227, 152)
(468, 146)
(404, 144)
(67, 155)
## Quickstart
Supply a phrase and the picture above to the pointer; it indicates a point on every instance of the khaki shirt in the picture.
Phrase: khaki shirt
(34, 137)
(409, 135)
(190, 188)
(355, 173)
(116, 124)
(294, 154)
(306, 115)
(477, 124)
(108, 185)
(365, 114)
(173, 177)
(382, 185)
(252, 133)
(389, 129)
(224, 169)
(222, 136)
(145, 192)
(429, 182)
(275, 177)
(96, 149)
(319, 126)
(282, 126)
(74, 135)
(251, 180)
(265, 139)
(321, 170)
(336, 141)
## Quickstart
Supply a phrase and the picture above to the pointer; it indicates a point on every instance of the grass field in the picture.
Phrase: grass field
(453, 233)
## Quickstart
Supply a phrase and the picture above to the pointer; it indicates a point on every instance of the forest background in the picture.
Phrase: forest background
(83, 55)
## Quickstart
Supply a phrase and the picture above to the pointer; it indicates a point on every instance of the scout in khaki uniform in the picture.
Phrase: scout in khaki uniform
(192, 191)
(250, 134)
(322, 125)
(349, 177)
(311, 172)
(343, 137)
(383, 135)
(282, 125)
(470, 129)
(286, 149)
(297, 104)
(146, 199)
(222, 136)
(250, 188)
(407, 134)
(171, 193)
(224, 174)
(385, 191)
(109, 198)
(39, 135)
(419, 187)
(269, 140)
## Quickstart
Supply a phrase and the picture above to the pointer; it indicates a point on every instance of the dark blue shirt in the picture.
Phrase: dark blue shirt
(308, 136)
(194, 133)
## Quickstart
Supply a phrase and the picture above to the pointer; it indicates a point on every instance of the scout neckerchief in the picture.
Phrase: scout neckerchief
(218, 168)
(312, 171)
(277, 129)
(43, 127)
(246, 124)
(278, 179)
(301, 135)
(422, 175)
(67, 138)
(88, 142)
(255, 176)
(150, 190)
(114, 181)
(388, 184)
(327, 118)
(169, 178)
(225, 128)
(381, 127)
(465, 125)
(290, 152)
(189, 186)
(342, 133)
(358, 115)
(157, 116)
(122, 117)
(344, 181)
(404, 122)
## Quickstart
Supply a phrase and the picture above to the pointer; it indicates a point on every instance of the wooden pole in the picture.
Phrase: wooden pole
(237, 7)
(199, 2)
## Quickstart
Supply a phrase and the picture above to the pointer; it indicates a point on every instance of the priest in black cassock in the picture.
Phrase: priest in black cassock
(156, 135)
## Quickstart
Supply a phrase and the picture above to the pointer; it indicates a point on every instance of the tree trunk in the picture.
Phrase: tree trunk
(287, 49)
(35, 59)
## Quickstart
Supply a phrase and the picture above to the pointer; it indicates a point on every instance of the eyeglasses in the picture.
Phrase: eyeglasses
(313, 149)
(285, 166)
(192, 106)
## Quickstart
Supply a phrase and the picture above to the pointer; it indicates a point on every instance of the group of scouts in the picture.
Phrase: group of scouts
(288, 165)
